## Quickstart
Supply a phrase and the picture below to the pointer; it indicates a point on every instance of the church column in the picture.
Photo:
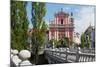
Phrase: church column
(57, 34)
(49, 35)
(56, 20)
(66, 20)
(56, 28)
(66, 34)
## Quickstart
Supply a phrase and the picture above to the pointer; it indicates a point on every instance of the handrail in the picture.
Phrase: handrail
(70, 56)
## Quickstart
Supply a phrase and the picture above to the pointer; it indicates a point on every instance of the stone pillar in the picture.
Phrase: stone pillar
(67, 51)
(57, 34)
(57, 20)
(66, 20)
(66, 34)
(49, 35)
(78, 54)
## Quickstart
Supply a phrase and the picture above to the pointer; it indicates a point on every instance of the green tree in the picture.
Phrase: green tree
(66, 41)
(83, 40)
(54, 43)
(39, 26)
(19, 25)
(88, 40)
(51, 42)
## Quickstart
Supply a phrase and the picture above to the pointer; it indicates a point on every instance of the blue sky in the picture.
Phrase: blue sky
(84, 15)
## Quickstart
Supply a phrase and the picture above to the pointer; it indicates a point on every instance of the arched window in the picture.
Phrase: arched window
(61, 21)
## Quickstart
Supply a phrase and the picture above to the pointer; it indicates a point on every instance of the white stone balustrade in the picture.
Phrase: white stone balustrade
(62, 56)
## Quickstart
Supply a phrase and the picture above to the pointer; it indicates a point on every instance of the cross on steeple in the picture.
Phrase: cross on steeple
(71, 14)
(61, 9)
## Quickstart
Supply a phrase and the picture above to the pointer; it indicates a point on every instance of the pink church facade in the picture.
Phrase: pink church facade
(62, 26)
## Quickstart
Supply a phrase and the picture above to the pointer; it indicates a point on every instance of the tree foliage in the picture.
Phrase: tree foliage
(82, 40)
(39, 25)
(19, 25)
(85, 40)
(88, 40)
(64, 42)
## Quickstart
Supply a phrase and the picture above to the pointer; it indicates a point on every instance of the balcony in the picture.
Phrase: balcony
(61, 25)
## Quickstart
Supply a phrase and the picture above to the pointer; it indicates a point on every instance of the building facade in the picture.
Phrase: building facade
(90, 36)
(62, 26)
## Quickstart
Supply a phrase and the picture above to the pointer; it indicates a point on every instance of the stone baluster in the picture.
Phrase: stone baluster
(87, 59)
(77, 54)
(67, 51)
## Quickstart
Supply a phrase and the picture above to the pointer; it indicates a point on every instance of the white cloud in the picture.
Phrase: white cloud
(86, 16)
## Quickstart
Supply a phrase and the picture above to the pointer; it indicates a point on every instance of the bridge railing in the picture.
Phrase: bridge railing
(67, 55)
